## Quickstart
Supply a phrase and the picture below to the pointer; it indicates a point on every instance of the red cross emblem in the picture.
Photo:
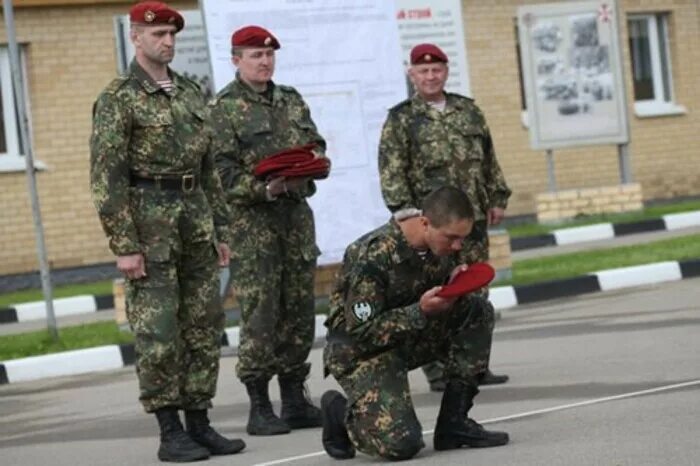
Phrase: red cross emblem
(605, 13)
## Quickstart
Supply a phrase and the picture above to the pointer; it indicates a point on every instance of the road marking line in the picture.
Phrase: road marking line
(623, 396)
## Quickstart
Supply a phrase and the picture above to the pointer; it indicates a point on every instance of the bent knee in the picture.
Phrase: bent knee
(403, 448)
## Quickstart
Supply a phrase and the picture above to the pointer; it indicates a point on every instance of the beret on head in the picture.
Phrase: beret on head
(156, 13)
(254, 36)
(427, 53)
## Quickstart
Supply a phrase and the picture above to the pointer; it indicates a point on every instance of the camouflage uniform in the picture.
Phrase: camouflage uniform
(377, 334)
(422, 149)
(139, 130)
(274, 254)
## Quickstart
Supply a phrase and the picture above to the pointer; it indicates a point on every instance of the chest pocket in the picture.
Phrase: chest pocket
(253, 133)
(470, 145)
(154, 119)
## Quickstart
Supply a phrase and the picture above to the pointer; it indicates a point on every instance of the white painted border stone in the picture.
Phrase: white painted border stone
(101, 358)
(682, 220)
(624, 277)
(599, 231)
(62, 307)
(503, 297)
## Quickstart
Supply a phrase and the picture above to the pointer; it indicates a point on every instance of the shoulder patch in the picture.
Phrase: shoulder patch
(362, 310)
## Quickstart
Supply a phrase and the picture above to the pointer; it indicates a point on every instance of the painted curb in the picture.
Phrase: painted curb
(104, 358)
(36, 310)
(603, 231)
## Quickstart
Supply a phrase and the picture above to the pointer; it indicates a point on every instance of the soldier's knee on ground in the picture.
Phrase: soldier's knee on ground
(404, 448)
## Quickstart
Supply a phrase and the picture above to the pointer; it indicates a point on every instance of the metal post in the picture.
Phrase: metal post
(550, 172)
(623, 157)
(29, 160)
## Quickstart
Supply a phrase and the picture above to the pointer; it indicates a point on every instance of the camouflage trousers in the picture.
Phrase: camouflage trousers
(175, 311)
(273, 280)
(381, 420)
(476, 249)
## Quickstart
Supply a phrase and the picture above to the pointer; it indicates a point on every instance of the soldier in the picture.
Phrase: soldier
(439, 139)
(272, 267)
(387, 319)
(161, 205)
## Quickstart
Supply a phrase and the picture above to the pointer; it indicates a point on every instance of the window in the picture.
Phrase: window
(651, 65)
(11, 149)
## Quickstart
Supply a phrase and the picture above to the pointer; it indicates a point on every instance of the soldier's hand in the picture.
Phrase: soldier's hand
(132, 266)
(456, 271)
(432, 304)
(277, 186)
(224, 254)
(296, 183)
(495, 215)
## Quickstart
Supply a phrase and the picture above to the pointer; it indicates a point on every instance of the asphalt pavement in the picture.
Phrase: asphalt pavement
(606, 379)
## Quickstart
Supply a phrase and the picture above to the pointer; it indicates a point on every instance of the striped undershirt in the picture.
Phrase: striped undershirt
(167, 85)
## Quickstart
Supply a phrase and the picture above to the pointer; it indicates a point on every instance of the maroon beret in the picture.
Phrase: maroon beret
(427, 53)
(295, 161)
(254, 36)
(476, 276)
(156, 13)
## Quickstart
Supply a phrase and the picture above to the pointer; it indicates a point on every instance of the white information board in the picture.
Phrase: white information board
(344, 57)
(350, 74)
(570, 57)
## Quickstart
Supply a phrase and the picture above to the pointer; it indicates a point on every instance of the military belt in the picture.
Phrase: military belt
(185, 183)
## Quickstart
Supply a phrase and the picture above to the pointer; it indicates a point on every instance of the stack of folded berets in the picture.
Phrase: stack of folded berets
(294, 162)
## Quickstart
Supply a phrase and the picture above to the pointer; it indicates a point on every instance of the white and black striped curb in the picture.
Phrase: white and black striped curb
(111, 357)
(36, 310)
(98, 359)
(506, 297)
(603, 231)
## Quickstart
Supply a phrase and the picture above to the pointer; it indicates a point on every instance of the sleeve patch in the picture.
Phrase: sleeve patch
(362, 311)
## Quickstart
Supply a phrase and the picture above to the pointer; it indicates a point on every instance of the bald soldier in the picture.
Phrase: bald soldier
(435, 139)
(161, 205)
(273, 264)
(387, 318)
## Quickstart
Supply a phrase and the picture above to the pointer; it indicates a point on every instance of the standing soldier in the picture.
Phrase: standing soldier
(272, 267)
(439, 139)
(387, 318)
(161, 205)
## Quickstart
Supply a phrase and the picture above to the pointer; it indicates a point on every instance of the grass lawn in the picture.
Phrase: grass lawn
(524, 271)
(75, 337)
(63, 291)
(580, 263)
(530, 229)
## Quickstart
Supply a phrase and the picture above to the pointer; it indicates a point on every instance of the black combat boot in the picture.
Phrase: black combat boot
(454, 429)
(489, 378)
(297, 410)
(175, 444)
(335, 434)
(262, 419)
(201, 432)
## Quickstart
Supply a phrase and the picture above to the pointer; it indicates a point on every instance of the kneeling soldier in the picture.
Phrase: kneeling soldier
(386, 319)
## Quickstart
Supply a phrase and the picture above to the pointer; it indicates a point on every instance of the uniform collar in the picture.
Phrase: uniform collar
(251, 94)
(148, 83)
(451, 104)
(403, 250)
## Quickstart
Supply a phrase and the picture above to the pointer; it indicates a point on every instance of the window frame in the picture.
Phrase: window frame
(664, 101)
(13, 159)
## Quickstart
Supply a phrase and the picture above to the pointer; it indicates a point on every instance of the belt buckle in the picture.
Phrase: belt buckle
(188, 183)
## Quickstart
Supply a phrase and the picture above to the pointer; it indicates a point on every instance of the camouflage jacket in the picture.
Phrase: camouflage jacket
(422, 149)
(375, 300)
(249, 127)
(138, 127)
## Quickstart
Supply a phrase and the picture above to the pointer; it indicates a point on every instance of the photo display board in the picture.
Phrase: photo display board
(570, 57)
